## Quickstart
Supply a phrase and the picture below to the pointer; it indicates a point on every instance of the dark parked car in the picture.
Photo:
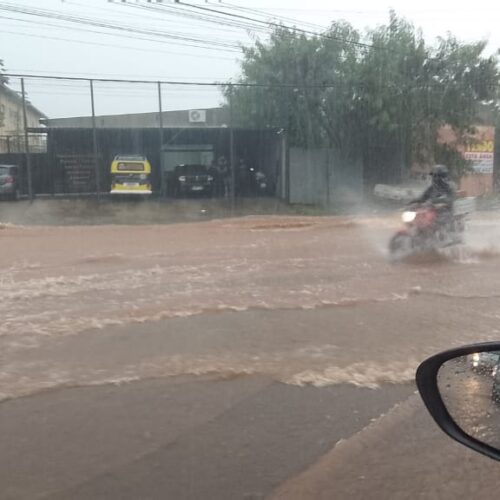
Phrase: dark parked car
(193, 179)
(9, 182)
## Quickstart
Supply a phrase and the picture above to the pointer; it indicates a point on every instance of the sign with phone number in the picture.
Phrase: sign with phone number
(481, 162)
(481, 156)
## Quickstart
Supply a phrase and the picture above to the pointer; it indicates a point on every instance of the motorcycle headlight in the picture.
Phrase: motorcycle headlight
(408, 216)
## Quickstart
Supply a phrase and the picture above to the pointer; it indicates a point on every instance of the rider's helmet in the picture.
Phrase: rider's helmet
(439, 176)
(439, 172)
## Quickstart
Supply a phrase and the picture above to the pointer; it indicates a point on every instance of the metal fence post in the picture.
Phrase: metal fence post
(231, 148)
(327, 176)
(26, 143)
(160, 133)
(94, 143)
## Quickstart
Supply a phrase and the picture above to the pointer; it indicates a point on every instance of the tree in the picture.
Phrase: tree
(287, 58)
(386, 98)
(303, 65)
(3, 81)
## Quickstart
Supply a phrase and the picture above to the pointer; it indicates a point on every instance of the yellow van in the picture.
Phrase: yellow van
(131, 175)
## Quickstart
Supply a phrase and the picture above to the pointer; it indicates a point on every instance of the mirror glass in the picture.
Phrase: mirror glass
(470, 388)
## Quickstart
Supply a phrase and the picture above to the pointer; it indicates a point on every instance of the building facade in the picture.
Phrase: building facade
(12, 123)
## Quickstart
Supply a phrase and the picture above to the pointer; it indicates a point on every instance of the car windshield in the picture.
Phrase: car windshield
(223, 256)
(191, 170)
(132, 166)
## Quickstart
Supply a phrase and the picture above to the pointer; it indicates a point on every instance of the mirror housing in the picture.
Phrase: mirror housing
(428, 387)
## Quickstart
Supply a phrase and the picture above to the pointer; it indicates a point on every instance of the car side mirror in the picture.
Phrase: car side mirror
(461, 390)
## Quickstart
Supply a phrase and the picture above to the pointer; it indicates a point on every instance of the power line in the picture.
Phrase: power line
(179, 12)
(118, 27)
(85, 20)
(143, 17)
(276, 25)
(273, 16)
(120, 35)
(86, 42)
(260, 26)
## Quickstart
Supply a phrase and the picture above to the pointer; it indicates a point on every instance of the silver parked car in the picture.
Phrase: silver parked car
(9, 181)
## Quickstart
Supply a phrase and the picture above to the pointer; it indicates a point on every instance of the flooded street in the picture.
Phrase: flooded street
(209, 228)
(287, 302)
(300, 299)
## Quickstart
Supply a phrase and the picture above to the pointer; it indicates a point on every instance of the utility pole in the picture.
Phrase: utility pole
(231, 149)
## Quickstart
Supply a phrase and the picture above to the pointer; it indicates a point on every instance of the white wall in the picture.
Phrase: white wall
(11, 109)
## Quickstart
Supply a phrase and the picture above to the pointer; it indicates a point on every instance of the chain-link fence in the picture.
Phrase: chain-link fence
(223, 140)
(191, 148)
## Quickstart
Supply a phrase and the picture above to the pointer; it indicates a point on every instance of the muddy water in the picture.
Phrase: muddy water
(301, 299)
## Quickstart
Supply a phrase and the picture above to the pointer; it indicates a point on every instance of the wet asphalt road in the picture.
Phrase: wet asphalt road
(401, 456)
(179, 438)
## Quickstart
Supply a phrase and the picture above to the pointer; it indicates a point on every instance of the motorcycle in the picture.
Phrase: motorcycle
(253, 182)
(426, 229)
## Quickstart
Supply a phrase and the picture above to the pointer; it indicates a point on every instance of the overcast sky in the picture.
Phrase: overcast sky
(40, 45)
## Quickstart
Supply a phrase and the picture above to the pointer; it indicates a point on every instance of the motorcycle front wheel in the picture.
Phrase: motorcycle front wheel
(400, 246)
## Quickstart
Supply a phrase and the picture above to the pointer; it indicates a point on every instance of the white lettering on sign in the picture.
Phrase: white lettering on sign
(481, 156)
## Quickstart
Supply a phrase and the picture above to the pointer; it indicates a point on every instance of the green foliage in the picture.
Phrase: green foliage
(394, 95)
(3, 81)
(445, 154)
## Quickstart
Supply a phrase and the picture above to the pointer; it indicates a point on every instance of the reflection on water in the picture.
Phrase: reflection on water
(469, 386)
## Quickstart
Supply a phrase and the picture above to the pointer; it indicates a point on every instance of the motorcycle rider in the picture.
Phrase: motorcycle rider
(441, 193)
